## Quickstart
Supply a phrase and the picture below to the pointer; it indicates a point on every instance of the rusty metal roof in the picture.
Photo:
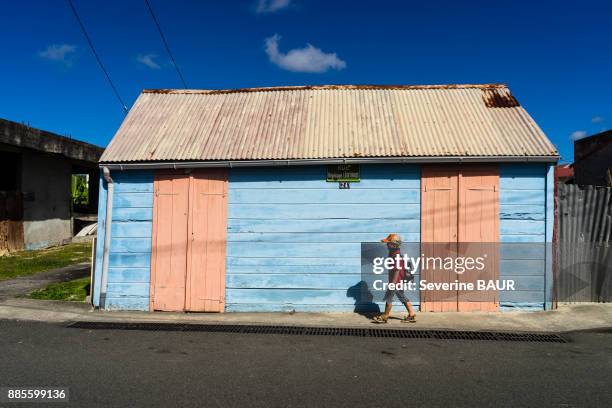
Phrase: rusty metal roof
(321, 122)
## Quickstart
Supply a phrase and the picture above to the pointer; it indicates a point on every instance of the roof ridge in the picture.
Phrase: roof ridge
(323, 87)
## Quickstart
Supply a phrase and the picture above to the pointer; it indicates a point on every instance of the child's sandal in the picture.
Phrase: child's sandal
(380, 319)
(409, 319)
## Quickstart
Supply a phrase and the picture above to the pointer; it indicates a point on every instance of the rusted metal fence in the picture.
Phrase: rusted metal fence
(584, 247)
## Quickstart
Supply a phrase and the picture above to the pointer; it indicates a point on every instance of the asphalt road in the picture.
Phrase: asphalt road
(168, 369)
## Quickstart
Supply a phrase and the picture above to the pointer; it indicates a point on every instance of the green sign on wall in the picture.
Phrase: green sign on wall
(343, 172)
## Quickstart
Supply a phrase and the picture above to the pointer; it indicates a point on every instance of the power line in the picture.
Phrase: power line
(76, 15)
(165, 43)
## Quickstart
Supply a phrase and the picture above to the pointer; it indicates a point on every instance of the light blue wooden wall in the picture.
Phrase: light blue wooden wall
(130, 249)
(523, 226)
(294, 240)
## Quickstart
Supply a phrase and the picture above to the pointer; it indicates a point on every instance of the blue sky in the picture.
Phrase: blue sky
(555, 55)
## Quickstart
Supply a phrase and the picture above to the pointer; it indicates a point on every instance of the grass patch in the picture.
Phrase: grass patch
(75, 290)
(30, 262)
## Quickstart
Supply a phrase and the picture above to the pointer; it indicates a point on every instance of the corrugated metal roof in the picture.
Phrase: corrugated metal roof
(319, 122)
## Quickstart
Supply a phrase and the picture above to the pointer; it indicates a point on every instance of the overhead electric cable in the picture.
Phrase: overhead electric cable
(76, 15)
(161, 34)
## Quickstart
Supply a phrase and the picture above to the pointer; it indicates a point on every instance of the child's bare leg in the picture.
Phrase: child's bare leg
(409, 308)
(387, 310)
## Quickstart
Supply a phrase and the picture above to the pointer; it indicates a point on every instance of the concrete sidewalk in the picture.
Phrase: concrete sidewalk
(590, 316)
(25, 284)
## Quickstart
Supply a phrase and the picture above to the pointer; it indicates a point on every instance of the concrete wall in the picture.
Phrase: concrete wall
(45, 183)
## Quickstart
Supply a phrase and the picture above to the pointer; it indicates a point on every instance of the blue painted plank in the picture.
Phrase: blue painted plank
(516, 267)
(521, 238)
(133, 200)
(521, 306)
(521, 183)
(303, 250)
(128, 289)
(292, 281)
(322, 196)
(142, 260)
(536, 197)
(527, 283)
(139, 245)
(134, 186)
(134, 229)
(294, 269)
(128, 303)
(297, 237)
(522, 177)
(536, 296)
(298, 281)
(521, 212)
(133, 180)
(292, 261)
(314, 226)
(119, 275)
(132, 214)
(522, 251)
(522, 227)
(305, 177)
(324, 211)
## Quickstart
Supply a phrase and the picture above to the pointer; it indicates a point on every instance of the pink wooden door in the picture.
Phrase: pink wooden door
(479, 232)
(438, 232)
(207, 246)
(460, 207)
(169, 253)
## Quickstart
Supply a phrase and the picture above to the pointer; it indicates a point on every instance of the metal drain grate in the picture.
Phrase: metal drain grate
(326, 331)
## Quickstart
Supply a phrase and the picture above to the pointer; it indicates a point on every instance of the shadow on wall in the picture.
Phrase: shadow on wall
(363, 298)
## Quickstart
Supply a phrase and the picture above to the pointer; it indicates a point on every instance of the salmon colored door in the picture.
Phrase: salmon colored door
(189, 241)
(479, 233)
(438, 233)
(460, 207)
(169, 254)
(207, 247)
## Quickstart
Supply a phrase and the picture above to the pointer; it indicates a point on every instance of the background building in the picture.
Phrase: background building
(593, 160)
(36, 208)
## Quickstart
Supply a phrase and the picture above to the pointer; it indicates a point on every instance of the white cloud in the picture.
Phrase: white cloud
(62, 53)
(148, 60)
(597, 119)
(271, 6)
(577, 135)
(307, 59)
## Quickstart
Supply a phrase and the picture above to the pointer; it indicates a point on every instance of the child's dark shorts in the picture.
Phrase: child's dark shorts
(399, 293)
